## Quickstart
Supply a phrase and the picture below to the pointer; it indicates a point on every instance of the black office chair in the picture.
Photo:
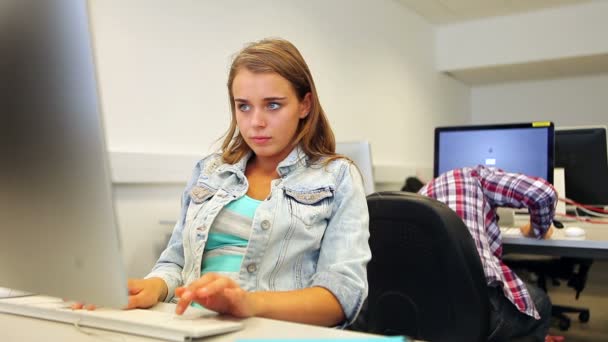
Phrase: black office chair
(573, 270)
(425, 277)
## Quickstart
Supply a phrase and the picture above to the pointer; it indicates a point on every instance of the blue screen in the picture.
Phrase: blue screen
(520, 150)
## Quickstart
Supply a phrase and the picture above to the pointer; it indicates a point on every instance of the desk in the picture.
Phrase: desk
(18, 328)
(594, 245)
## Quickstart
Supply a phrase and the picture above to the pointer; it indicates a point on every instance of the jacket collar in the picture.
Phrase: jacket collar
(294, 158)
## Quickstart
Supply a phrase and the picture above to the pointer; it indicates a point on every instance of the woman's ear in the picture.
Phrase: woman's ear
(305, 105)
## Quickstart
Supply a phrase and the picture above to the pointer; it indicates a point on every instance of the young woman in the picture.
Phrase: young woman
(276, 225)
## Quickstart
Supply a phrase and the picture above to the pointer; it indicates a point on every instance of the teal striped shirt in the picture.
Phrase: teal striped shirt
(228, 237)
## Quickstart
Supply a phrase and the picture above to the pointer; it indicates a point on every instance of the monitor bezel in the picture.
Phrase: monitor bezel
(581, 129)
(534, 124)
(360, 152)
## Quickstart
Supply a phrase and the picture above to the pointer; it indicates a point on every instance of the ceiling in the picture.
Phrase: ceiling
(549, 69)
(442, 12)
(451, 11)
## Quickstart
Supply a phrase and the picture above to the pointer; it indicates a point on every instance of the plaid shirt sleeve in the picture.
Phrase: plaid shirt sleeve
(520, 191)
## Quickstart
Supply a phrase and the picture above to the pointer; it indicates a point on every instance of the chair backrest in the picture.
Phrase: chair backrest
(425, 277)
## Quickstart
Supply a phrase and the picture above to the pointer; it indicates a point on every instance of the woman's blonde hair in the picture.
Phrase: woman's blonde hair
(280, 56)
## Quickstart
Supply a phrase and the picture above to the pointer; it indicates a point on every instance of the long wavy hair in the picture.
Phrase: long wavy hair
(280, 56)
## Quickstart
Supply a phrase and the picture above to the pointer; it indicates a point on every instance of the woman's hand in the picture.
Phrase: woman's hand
(312, 305)
(143, 293)
(217, 293)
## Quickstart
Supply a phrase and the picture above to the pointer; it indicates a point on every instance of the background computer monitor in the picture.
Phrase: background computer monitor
(521, 148)
(58, 229)
(582, 152)
(360, 152)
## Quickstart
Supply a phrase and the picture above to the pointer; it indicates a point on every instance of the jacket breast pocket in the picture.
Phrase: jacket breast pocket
(310, 206)
(199, 195)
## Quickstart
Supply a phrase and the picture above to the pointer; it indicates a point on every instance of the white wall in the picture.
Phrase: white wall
(567, 102)
(554, 33)
(163, 68)
(146, 214)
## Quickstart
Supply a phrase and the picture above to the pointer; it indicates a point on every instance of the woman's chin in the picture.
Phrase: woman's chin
(263, 151)
(268, 152)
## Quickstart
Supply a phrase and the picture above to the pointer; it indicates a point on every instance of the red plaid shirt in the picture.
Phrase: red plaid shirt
(474, 194)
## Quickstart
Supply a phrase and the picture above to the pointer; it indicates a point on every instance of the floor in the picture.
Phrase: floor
(594, 297)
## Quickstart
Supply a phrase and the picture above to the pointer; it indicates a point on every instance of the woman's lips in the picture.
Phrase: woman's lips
(260, 140)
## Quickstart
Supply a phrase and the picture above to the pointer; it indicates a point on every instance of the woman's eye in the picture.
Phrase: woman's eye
(274, 106)
(244, 107)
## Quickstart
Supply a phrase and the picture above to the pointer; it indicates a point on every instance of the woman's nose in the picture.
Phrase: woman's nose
(258, 118)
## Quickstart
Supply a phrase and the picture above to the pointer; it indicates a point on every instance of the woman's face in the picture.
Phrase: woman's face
(267, 113)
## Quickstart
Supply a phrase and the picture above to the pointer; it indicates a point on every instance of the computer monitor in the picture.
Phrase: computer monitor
(59, 234)
(520, 148)
(582, 152)
(360, 152)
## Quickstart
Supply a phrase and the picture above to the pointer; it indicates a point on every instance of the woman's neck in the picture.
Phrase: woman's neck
(265, 166)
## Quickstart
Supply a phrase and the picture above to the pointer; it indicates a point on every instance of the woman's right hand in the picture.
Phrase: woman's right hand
(143, 293)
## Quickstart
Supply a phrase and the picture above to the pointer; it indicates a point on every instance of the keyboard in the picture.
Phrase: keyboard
(515, 232)
(158, 322)
(510, 232)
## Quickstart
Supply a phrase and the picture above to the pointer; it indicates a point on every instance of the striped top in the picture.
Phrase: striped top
(228, 238)
(474, 194)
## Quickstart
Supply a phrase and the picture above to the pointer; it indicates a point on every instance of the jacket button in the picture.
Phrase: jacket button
(265, 224)
(251, 268)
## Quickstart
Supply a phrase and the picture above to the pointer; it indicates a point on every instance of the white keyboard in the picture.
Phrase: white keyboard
(558, 234)
(510, 232)
(159, 321)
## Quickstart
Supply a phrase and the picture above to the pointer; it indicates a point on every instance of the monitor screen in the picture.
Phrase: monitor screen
(520, 148)
(583, 154)
(360, 152)
(59, 231)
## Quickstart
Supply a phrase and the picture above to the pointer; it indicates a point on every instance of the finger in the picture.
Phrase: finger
(144, 300)
(184, 301)
(134, 286)
(140, 300)
(77, 306)
(215, 287)
(179, 291)
(549, 233)
(133, 302)
(525, 229)
(187, 294)
(203, 281)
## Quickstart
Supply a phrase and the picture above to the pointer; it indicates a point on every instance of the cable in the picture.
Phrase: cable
(589, 207)
(593, 213)
(589, 210)
(583, 219)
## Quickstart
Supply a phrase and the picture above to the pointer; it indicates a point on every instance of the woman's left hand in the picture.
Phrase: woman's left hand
(217, 293)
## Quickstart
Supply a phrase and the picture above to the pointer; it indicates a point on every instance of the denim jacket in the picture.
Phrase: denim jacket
(312, 230)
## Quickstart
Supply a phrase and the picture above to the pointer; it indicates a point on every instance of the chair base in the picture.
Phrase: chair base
(559, 312)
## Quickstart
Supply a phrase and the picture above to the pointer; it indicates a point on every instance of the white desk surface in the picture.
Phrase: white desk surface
(18, 328)
(594, 244)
